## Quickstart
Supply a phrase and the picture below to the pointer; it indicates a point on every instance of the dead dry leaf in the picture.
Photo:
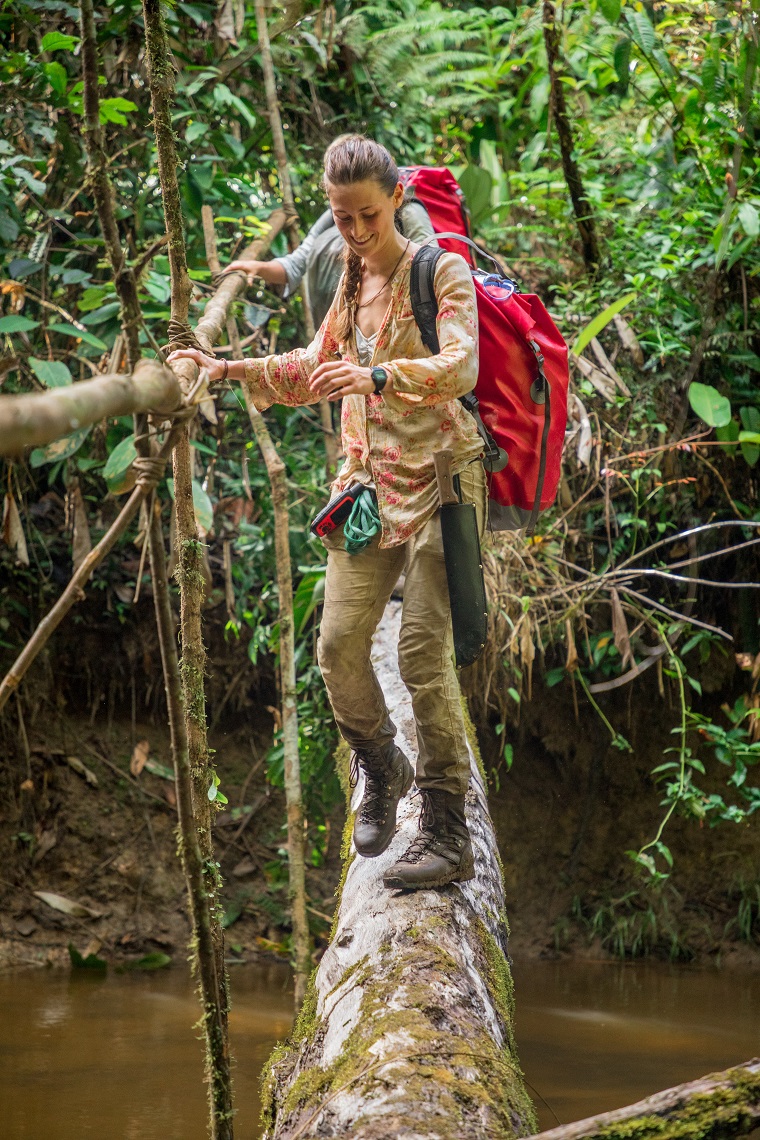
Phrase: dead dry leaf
(46, 841)
(571, 663)
(246, 866)
(598, 379)
(629, 340)
(13, 531)
(140, 754)
(81, 543)
(620, 630)
(67, 906)
(527, 652)
(82, 770)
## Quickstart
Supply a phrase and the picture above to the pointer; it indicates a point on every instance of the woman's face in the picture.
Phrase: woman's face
(364, 214)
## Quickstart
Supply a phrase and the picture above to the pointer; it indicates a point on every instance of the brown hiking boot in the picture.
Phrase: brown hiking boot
(442, 852)
(388, 776)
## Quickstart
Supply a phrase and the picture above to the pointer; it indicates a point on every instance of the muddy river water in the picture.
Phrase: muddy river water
(116, 1057)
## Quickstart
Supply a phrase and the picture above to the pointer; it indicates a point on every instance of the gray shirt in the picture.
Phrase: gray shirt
(319, 257)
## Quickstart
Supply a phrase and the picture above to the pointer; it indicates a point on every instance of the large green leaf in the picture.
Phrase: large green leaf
(621, 61)
(610, 10)
(476, 184)
(202, 505)
(709, 405)
(641, 29)
(749, 439)
(593, 328)
(310, 592)
(115, 110)
(204, 509)
(749, 218)
(16, 323)
(57, 41)
(118, 463)
(56, 76)
(59, 448)
(81, 334)
(52, 373)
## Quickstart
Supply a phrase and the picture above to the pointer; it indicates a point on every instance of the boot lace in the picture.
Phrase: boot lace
(376, 789)
(426, 840)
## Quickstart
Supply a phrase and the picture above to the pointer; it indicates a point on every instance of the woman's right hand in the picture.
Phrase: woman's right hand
(212, 364)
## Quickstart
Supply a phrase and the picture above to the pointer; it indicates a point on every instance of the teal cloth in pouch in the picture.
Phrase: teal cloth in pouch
(363, 523)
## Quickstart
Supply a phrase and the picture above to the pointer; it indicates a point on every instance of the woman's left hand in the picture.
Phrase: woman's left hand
(337, 378)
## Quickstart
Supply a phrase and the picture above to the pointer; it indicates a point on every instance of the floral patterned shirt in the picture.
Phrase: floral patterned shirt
(389, 439)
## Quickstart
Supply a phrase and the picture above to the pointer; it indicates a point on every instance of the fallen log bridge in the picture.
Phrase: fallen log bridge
(407, 1026)
(714, 1107)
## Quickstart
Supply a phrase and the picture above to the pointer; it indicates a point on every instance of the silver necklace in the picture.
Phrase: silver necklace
(382, 289)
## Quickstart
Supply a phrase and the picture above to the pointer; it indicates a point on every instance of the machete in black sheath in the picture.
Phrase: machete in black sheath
(464, 566)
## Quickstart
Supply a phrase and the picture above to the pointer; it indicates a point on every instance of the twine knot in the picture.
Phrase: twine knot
(149, 470)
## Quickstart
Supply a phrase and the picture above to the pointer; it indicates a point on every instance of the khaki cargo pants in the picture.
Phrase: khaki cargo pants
(357, 590)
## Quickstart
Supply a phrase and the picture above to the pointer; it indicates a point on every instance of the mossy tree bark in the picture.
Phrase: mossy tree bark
(197, 776)
(286, 187)
(407, 1027)
(581, 206)
(712, 1108)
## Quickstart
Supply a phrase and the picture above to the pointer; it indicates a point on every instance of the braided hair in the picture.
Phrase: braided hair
(354, 158)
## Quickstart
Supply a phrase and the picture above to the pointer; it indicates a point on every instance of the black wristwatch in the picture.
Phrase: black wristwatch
(379, 378)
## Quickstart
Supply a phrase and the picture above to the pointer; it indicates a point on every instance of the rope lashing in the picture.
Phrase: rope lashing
(363, 523)
(182, 336)
(149, 470)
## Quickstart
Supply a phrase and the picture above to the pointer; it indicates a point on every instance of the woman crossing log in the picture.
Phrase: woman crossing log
(401, 405)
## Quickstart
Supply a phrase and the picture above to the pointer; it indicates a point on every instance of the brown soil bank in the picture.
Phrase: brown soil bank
(572, 807)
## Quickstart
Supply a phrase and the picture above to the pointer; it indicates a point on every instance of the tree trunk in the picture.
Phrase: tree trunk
(581, 207)
(712, 1108)
(195, 816)
(407, 1027)
(40, 417)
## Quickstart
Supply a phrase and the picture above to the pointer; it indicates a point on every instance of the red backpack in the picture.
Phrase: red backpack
(520, 399)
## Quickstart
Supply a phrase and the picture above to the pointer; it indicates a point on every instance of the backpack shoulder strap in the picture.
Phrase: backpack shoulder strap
(425, 309)
(422, 290)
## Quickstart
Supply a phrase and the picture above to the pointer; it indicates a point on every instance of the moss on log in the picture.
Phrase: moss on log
(407, 1026)
(715, 1107)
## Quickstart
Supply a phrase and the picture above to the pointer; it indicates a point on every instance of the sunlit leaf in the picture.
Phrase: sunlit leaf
(57, 41)
(641, 29)
(56, 76)
(709, 405)
(476, 184)
(115, 110)
(593, 328)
